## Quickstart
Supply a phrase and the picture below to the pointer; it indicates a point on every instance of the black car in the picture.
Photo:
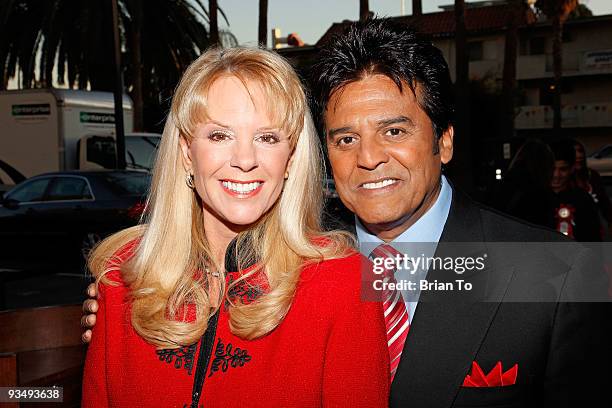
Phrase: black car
(55, 218)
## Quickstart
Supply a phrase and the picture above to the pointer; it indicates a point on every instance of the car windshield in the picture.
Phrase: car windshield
(126, 184)
(141, 150)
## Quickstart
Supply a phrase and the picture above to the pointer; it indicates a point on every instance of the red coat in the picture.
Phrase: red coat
(330, 350)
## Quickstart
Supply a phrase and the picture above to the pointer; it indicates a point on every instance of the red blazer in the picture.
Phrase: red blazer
(330, 350)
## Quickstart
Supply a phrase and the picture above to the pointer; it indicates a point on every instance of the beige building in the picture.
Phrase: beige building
(587, 65)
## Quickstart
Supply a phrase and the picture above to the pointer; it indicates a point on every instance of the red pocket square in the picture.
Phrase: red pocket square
(495, 378)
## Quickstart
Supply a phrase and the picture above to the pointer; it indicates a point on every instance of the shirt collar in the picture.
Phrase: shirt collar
(428, 228)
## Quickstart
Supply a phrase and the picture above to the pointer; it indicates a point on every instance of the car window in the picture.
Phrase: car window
(140, 151)
(101, 150)
(31, 190)
(605, 153)
(126, 184)
(69, 188)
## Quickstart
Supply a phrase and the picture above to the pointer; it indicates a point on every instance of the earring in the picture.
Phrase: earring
(286, 175)
(189, 181)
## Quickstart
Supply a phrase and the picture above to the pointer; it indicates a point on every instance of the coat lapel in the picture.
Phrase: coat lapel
(449, 327)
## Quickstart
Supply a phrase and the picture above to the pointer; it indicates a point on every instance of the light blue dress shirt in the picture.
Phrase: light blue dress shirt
(426, 230)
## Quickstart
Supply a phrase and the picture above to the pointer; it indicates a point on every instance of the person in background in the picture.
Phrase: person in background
(590, 181)
(526, 188)
(229, 294)
(574, 210)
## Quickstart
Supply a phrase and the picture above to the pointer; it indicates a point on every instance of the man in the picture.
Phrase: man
(574, 209)
(385, 100)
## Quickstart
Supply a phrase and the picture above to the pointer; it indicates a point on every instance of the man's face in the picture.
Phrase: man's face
(381, 149)
(561, 175)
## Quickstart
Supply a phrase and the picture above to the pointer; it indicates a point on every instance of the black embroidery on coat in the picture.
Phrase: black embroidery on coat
(226, 356)
(182, 357)
(243, 291)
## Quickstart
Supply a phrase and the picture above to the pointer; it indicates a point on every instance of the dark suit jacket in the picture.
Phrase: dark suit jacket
(514, 314)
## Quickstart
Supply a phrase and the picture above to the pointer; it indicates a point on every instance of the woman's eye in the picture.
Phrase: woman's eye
(394, 132)
(218, 136)
(268, 138)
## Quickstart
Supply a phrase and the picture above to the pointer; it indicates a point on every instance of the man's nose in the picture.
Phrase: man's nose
(372, 153)
(244, 155)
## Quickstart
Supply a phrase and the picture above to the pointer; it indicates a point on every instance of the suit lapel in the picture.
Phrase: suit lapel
(449, 327)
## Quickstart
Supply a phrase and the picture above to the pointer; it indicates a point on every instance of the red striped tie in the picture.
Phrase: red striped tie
(396, 314)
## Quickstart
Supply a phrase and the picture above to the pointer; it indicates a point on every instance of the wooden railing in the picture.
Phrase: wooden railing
(41, 347)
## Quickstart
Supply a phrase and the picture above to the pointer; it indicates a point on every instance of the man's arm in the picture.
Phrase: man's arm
(580, 354)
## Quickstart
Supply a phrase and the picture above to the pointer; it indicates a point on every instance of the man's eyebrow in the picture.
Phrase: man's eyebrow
(397, 119)
(333, 132)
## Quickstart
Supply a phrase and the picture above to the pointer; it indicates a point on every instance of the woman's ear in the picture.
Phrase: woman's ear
(186, 154)
(289, 163)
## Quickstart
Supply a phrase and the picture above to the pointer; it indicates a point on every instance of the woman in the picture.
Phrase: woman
(274, 320)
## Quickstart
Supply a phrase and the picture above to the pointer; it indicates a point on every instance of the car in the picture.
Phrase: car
(601, 160)
(56, 218)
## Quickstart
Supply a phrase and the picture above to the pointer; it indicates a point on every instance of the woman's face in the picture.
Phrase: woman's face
(238, 158)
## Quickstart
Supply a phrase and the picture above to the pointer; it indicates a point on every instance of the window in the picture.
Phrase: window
(604, 153)
(101, 150)
(129, 183)
(140, 151)
(537, 46)
(475, 51)
(33, 190)
(69, 188)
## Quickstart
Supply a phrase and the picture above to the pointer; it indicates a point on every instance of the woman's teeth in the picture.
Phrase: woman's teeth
(243, 188)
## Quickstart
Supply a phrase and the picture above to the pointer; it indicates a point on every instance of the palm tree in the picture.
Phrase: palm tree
(558, 11)
(364, 10)
(70, 42)
(417, 7)
(262, 35)
(214, 27)
(509, 73)
(463, 160)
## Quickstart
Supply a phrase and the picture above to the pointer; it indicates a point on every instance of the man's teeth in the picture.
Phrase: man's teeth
(243, 188)
(380, 184)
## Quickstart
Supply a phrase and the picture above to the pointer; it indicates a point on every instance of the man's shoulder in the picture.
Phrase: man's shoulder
(496, 226)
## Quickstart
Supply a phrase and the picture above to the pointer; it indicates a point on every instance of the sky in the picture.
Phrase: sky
(311, 18)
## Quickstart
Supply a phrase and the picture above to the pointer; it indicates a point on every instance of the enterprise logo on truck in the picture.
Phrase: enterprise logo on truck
(95, 117)
(31, 110)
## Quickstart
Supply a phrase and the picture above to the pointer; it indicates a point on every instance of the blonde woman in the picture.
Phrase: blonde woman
(229, 294)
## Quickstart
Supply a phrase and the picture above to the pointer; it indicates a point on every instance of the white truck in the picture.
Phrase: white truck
(43, 130)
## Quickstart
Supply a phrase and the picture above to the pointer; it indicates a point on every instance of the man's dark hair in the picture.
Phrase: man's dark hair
(564, 150)
(379, 46)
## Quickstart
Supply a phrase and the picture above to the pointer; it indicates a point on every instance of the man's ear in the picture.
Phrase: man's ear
(445, 144)
(185, 154)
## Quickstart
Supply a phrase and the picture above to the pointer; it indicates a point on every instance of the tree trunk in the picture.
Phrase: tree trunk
(463, 146)
(417, 7)
(558, 71)
(136, 63)
(364, 10)
(262, 37)
(509, 74)
(214, 26)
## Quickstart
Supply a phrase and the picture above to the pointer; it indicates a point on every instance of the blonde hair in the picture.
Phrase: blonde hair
(171, 247)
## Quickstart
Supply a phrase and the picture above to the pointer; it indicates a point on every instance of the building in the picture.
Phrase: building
(587, 65)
